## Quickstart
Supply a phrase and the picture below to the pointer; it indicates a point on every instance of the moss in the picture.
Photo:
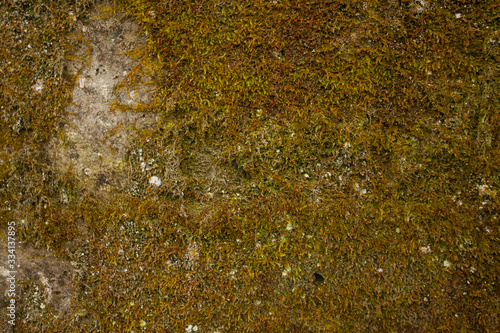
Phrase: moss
(351, 140)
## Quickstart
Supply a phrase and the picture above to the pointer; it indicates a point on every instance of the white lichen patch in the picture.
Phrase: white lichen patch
(155, 181)
(48, 289)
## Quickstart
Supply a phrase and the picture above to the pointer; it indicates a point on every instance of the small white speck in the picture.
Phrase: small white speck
(484, 189)
(458, 15)
(380, 270)
(155, 181)
(446, 264)
(425, 249)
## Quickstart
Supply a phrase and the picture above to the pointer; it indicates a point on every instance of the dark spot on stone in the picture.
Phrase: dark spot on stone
(102, 179)
(318, 278)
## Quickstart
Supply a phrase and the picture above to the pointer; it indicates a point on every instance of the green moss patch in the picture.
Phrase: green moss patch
(325, 166)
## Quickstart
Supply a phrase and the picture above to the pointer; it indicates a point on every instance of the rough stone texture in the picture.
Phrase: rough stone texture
(96, 139)
(42, 281)
(93, 144)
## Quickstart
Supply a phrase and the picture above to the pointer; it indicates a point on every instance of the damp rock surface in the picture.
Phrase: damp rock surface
(96, 137)
(41, 281)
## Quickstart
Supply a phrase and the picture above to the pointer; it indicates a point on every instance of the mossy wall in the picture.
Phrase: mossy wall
(351, 141)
